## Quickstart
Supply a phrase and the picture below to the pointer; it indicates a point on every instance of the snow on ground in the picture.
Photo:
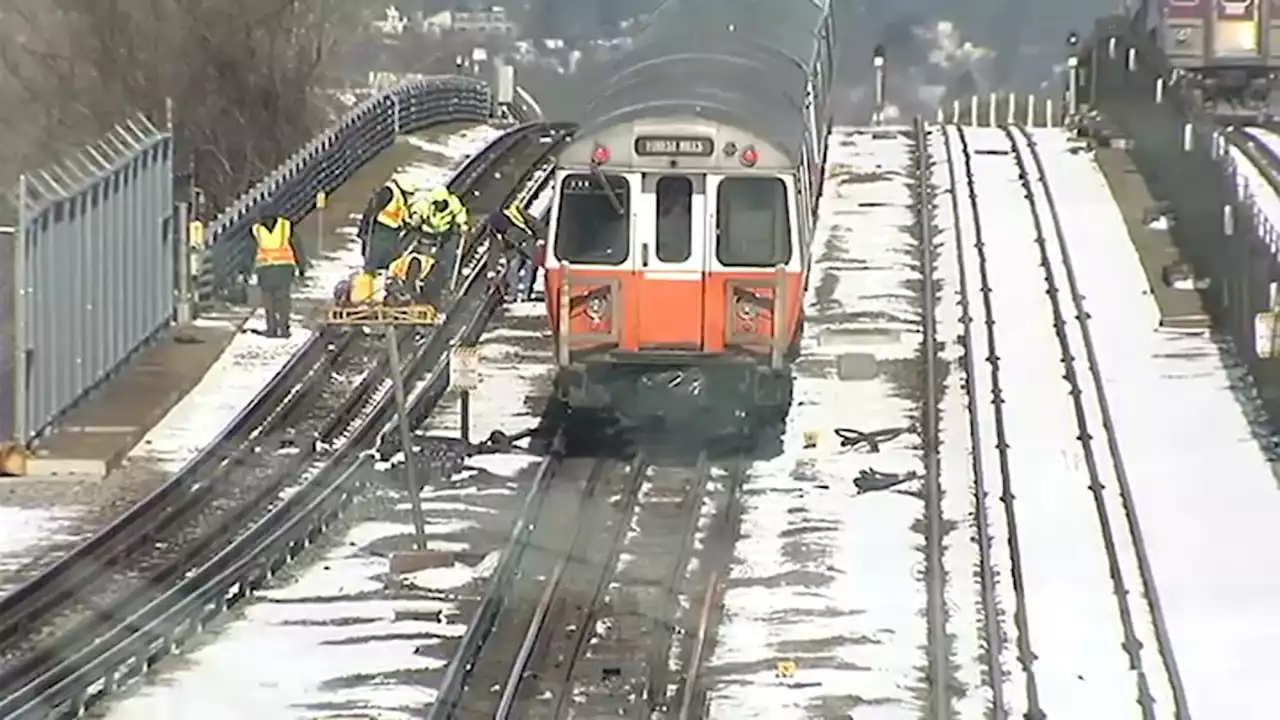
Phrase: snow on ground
(332, 642)
(1256, 186)
(1266, 137)
(1205, 491)
(448, 153)
(24, 528)
(247, 366)
(824, 575)
(1075, 630)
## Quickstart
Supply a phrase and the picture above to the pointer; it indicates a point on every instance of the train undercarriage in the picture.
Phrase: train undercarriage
(1237, 92)
(718, 398)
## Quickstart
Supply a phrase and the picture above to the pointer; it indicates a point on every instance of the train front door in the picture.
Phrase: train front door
(670, 262)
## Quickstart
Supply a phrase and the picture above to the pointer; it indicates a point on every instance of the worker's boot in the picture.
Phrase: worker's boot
(362, 287)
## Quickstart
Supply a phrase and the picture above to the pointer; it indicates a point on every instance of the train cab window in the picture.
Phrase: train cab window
(675, 219)
(753, 228)
(593, 222)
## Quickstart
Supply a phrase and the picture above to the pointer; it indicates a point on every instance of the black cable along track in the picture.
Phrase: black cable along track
(318, 403)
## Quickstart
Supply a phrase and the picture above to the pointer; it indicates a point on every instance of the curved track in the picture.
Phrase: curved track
(319, 409)
(1144, 641)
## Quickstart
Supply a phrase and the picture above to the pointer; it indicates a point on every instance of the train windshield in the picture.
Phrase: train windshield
(593, 222)
(753, 228)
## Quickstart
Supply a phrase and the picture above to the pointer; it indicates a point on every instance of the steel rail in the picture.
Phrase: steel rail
(1259, 154)
(627, 640)
(991, 634)
(1182, 709)
(597, 568)
(534, 657)
(690, 696)
(468, 304)
(1132, 645)
(1026, 655)
(938, 646)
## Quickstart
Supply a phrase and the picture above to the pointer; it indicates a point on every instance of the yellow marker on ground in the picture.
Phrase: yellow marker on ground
(322, 200)
(786, 669)
(810, 439)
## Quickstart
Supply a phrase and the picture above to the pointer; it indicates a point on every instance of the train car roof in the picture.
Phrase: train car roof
(739, 62)
(791, 27)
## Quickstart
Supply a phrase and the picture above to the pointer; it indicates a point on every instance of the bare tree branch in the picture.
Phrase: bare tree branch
(242, 75)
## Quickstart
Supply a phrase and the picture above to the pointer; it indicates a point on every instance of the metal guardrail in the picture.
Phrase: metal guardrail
(1182, 154)
(999, 109)
(327, 162)
(251, 559)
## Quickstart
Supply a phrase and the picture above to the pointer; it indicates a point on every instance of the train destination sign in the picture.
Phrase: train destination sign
(682, 146)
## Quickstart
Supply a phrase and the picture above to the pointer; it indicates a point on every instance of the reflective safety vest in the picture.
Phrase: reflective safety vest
(433, 221)
(400, 267)
(517, 218)
(275, 246)
(392, 214)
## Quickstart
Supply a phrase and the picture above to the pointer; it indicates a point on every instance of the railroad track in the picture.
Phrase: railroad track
(614, 576)
(938, 648)
(327, 405)
(1015, 665)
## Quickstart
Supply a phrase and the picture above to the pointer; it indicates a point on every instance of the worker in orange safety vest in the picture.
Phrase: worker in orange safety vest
(276, 263)
(382, 230)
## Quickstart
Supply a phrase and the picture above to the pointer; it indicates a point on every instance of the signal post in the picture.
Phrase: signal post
(391, 319)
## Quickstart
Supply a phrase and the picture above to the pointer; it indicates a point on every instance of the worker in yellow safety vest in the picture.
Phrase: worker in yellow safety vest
(513, 217)
(277, 262)
(435, 219)
(407, 276)
(439, 214)
(381, 231)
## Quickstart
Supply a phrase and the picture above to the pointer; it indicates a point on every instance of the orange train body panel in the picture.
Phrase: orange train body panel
(697, 314)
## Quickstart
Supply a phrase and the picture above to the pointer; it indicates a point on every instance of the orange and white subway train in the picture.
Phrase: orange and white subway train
(684, 212)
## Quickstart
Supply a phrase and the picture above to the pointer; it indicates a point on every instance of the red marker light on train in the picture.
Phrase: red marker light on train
(750, 157)
(600, 155)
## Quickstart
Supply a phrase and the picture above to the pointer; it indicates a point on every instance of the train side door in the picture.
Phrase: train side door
(670, 261)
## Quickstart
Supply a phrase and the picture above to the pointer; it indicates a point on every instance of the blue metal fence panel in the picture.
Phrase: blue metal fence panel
(91, 278)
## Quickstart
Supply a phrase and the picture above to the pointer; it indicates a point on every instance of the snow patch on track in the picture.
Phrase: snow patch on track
(825, 574)
(1204, 490)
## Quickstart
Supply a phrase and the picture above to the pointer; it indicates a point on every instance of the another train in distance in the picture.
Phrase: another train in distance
(1229, 49)
(684, 212)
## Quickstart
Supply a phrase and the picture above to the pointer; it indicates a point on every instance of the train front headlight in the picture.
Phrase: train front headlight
(747, 313)
(597, 306)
